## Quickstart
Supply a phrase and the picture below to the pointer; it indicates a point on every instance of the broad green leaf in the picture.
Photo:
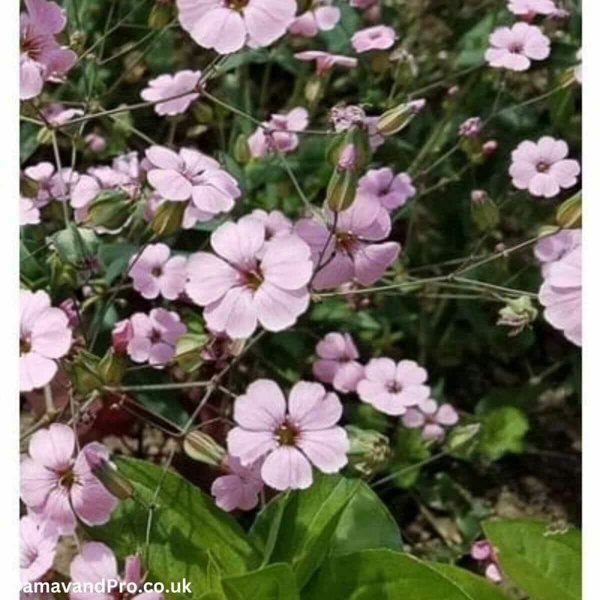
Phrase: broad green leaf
(188, 530)
(365, 524)
(542, 561)
(502, 431)
(389, 575)
(114, 258)
(472, 585)
(297, 527)
(73, 244)
(275, 582)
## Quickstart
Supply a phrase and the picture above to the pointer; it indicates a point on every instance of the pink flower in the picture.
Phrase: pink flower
(552, 248)
(291, 436)
(29, 213)
(337, 362)
(389, 189)
(320, 17)
(514, 48)
(431, 418)
(470, 128)
(122, 334)
(192, 177)
(51, 185)
(326, 61)
(250, 281)
(529, 8)
(279, 133)
(42, 58)
(542, 167)
(392, 388)
(277, 225)
(379, 37)
(171, 90)
(57, 487)
(154, 336)
(38, 549)
(44, 338)
(56, 113)
(240, 488)
(482, 551)
(97, 564)
(561, 295)
(350, 251)
(95, 142)
(155, 272)
(229, 25)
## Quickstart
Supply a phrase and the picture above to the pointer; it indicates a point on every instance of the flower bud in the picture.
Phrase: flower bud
(356, 136)
(109, 476)
(369, 450)
(341, 190)
(168, 218)
(313, 89)
(347, 159)
(484, 212)
(394, 120)
(517, 314)
(188, 351)
(83, 373)
(112, 367)
(160, 16)
(241, 151)
(470, 128)
(568, 214)
(121, 336)
(203, 448)
(489, 147)
(109, 210)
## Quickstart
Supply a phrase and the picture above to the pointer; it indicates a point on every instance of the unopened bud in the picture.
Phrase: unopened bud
(396, 119)
(241, 151)
(160, 16)
(369, 450)
(568, 213)
(484, 212)
(517, 314)
(356, 136)
(168, 218)
(489, 147)
(188, 351)
(121, 336)
(341, 190)
(112, 367)
(347, 159)
(107, 473)
(203, 448)
(109, 210)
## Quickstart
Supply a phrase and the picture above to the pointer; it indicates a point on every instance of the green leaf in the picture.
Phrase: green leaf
(297, 527)
(388, 575)
(544, 563)
(188, 530)
(114, 258)
(275, 582)
(365, 524)
(502, 431)
(73, 244)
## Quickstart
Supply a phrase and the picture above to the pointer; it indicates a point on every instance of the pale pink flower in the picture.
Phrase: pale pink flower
(44, 338)
(41, 57)
(389, 189)
(59, 488)
(514, 48)
(530, 8)
(337, 362)
(97, 564)
(551, 248)
(154, 336)
(482, 551)
(155, 272)
(29, 213)
(250, 281)
(95, 142)
(51, 184)
(37, 549)
(392, 388)
(192, 177)
(352, 250)
(277, 225)
(97, 180)
(561, 293)
(279, 133)
(321, 16)
(228, 26)
(171, 91)
(431, 418)
(57, 114)
(470, 128)
(363, 4)
(379, 37)
(240, 488)
(543, 168)
(326, 61)
(290, 436)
